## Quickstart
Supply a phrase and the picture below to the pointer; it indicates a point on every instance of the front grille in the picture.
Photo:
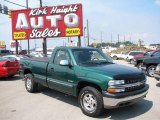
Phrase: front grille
(130, 81)
(133, 88)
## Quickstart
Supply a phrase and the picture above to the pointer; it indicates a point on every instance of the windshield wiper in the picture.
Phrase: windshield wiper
(105, 62)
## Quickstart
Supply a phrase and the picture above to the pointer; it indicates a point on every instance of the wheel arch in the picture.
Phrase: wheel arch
(83, 84)
(151, 64)
(26, 71)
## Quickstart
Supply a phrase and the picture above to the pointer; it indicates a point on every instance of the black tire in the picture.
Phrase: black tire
(150, 70)
(11, 76)
(96, 101)
(30, 85)
(139, 66)
(115, 58)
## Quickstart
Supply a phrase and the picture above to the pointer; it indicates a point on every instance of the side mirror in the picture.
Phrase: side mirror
(64, 62)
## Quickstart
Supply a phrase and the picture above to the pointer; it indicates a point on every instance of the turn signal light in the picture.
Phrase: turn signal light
(115, 90)
(111, 90)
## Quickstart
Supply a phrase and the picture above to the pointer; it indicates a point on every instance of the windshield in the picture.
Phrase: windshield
(90, 57)
(2, 59)
(148, 53)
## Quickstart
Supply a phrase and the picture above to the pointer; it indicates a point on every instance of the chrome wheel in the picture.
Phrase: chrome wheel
(29, 83)
(139, 66)
(132, 61)
(89, 102)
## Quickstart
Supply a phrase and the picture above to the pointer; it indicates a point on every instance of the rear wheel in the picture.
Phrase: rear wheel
(150, 70)
(11, 76)
(115, 58)
(30, 85)
(91, 101)
(132, 61)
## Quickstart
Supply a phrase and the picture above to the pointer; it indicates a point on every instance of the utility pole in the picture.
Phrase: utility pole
(79, 41)
(28, 39)
(88, 32)
(101, 40)
(44, 44)
(84, 36)
(118, 38)
(124, 38)
(35, 44)
(111, 38)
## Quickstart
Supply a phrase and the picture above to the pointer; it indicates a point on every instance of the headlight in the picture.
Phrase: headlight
(112, 86)
(115, 82)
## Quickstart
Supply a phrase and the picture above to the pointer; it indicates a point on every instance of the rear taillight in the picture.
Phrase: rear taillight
(6, 64)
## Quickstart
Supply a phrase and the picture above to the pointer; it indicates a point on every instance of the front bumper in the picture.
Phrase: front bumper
(144, 68)
(123, 99)
(5, 72)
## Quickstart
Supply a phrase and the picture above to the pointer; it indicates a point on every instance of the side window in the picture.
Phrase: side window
(131, 53)
(157, 53)
(61, 55)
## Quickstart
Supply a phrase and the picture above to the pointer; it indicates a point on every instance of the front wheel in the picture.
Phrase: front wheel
(150, 70)
(30, 85)
(91, 101)
(139, 66)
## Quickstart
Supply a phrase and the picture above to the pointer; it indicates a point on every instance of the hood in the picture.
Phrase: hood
(117, 71)
(152, 59)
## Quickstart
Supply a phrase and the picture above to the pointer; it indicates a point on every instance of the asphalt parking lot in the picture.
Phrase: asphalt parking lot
(17, 104)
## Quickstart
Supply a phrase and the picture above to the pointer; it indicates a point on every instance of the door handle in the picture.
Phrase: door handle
(52, 69)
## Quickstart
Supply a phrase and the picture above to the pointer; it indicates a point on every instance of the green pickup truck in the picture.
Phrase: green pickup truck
(89, 75)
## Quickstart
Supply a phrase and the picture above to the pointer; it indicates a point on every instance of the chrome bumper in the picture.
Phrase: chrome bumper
(120, 102)
(157, 76)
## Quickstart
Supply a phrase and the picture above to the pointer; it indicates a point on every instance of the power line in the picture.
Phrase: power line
(15, 4)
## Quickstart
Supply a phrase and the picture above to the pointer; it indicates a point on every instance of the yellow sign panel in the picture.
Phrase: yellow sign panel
(72, 31)
(19, 35)
(2, 42)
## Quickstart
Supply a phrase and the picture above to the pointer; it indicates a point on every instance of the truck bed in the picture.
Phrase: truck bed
(39, 59)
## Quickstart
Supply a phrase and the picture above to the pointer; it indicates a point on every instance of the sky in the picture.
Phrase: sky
(134, 19)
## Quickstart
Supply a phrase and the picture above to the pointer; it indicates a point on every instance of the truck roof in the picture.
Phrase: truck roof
(70, 47)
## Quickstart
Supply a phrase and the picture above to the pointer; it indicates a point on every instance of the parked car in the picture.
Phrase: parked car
(138, 61)
(148, 53)
(36, 54)
(22, 52)
(8, 68)
(89, 75)
(149, 65)
(131, 54)
(157, 73)
(122, 55)
(5, 52)
(15, 57)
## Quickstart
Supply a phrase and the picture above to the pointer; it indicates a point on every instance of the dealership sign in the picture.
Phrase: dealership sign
(47, 22)
(2, 44)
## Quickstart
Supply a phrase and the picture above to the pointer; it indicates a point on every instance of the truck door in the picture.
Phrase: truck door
(61, 77)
